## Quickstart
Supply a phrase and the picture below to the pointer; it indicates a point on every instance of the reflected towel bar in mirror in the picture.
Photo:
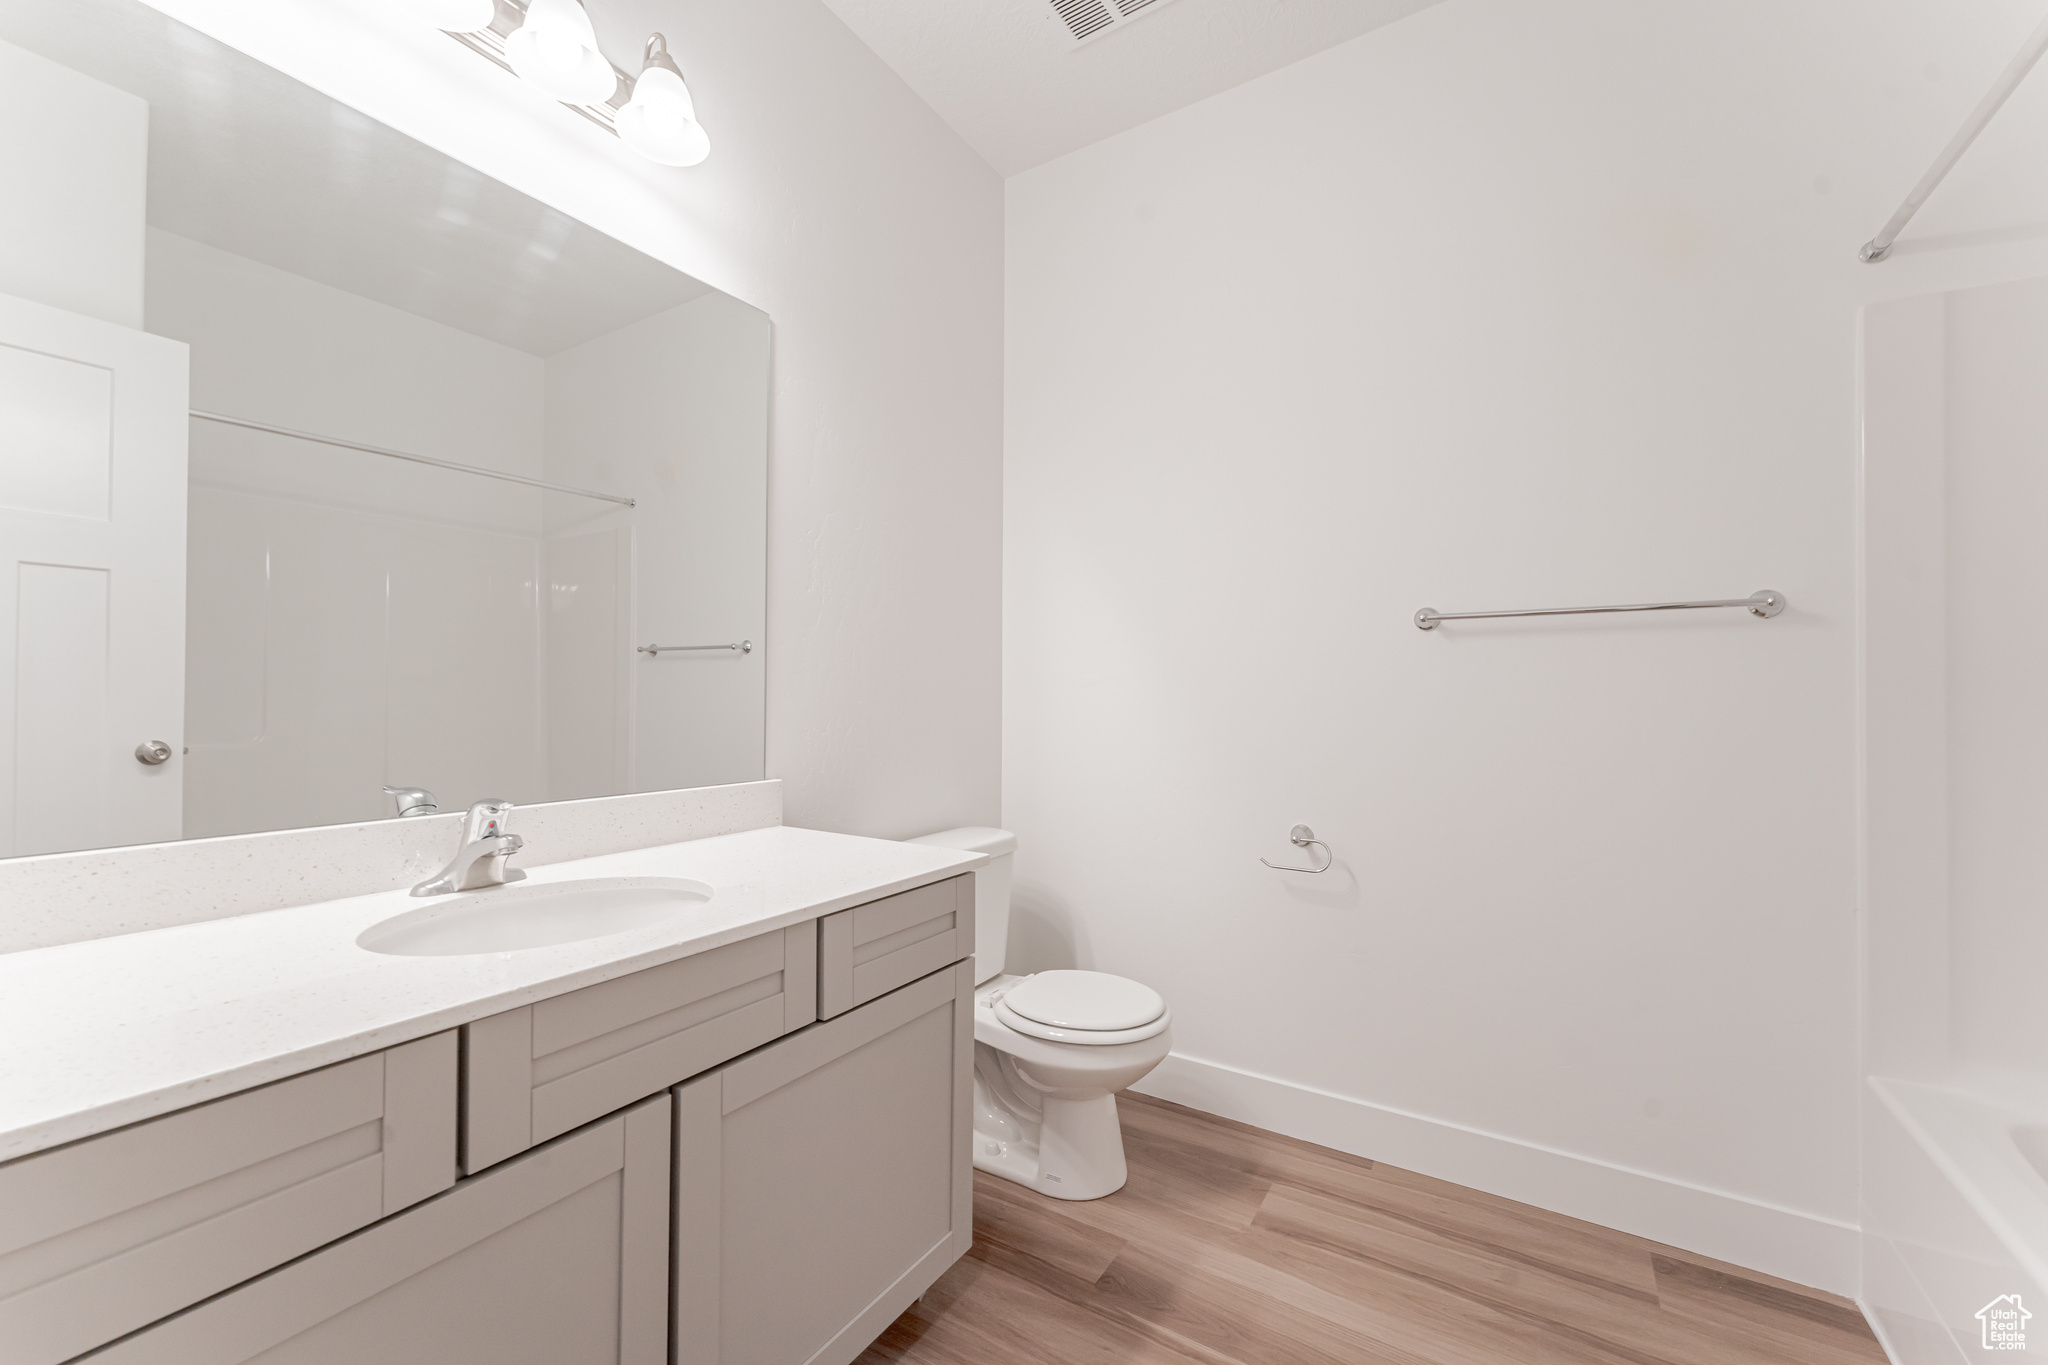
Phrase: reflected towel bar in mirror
(1766, 604)
(737, 647)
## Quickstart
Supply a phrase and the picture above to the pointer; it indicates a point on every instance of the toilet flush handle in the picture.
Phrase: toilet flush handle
(1301, 836)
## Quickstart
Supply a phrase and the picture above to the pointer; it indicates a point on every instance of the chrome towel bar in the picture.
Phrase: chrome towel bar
(1765, 604)
(737, 646)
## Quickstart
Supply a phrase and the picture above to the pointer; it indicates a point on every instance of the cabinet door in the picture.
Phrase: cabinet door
(536, 1072)
(103, 1236)
(824, 1182)
(870, 950)
(559, 1257)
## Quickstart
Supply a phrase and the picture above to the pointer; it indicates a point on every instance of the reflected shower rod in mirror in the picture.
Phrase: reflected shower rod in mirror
(1765, 604)
(541, 484)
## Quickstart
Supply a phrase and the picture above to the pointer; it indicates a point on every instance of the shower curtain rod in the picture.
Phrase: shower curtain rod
(404, 455)
(1880, 246)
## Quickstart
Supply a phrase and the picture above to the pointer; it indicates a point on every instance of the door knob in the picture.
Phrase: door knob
(152, 752)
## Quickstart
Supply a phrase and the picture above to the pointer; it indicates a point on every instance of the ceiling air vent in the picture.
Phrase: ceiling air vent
(1084, 18)
(1088, 19)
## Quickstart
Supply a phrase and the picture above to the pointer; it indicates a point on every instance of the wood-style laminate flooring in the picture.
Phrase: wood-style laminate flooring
(1234, 1246)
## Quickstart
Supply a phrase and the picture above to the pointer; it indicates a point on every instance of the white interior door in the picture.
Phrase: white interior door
(92, 581)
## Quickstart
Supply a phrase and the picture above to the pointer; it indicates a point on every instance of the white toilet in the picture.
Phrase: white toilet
(1050, 1050)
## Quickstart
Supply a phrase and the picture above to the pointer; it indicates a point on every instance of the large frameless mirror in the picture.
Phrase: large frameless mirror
(459, 498)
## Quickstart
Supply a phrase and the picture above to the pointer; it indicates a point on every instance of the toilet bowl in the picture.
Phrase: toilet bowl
(1050, 1050)
(1044, 1108)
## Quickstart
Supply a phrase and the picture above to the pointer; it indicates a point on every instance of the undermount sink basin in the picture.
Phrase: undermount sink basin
(507, 919)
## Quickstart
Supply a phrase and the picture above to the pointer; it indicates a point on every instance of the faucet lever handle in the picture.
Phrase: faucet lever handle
(480, 860)
(486, 817)
(412, 801)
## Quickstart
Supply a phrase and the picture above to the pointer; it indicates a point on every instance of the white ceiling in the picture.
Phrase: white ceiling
(1010, 79)
(246, 159)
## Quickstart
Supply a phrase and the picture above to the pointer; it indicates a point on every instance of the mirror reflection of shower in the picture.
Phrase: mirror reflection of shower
(361, 621)
(431, 459)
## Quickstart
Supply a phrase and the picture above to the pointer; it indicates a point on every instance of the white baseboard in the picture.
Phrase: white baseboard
(1801, 1247)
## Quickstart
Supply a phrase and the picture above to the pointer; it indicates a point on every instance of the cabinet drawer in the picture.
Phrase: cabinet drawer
(535, 1072)
(111, 1233)
(558, 1257)
(870, 950)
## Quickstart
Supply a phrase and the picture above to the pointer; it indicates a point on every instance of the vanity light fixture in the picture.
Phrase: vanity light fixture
(457, 16)
(555, 52)
(552, 46)
(660, 121)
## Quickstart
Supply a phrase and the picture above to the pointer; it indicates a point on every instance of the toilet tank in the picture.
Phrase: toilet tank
(991, 890)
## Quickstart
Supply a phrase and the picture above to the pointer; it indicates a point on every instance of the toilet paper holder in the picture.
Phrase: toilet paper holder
(1301, 836)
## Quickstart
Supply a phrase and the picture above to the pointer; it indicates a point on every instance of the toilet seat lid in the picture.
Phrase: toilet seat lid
(1087, 1002)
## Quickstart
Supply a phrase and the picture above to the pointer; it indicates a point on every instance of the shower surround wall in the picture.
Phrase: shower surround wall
(1503, 305)
(1954, 498)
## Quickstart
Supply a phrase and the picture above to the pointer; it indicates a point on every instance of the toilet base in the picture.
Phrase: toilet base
(1068, 1148)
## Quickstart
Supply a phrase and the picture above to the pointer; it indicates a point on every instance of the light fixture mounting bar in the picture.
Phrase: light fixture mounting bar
(489, 43)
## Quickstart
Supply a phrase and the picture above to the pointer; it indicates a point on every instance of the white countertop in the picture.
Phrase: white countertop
(104, 1033)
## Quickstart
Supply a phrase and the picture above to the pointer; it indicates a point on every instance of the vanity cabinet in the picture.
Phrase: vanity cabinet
(685, 1164)
(558, 1257)
(870, 950)
(106, 1235)
(532, 1073)
(822, 1183)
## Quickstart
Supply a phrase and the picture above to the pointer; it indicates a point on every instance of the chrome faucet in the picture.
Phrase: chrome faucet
(480, 862)
(413, 801)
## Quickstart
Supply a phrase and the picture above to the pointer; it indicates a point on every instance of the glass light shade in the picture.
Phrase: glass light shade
(660, 121)
(456, 16)
(555, 51)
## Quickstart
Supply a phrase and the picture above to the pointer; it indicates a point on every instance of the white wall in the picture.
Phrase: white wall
(1505, 305)
(839, 204)
(71, 214)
